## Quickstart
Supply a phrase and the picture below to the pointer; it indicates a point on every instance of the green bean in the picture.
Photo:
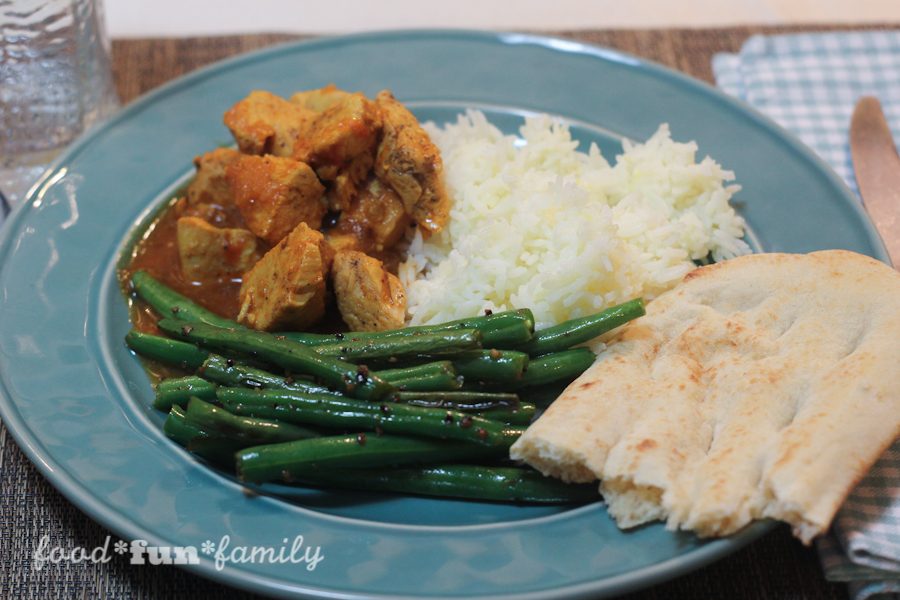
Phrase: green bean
(340, 375)
(584, 329)
(250, 430)
(501, 367)
(474, 482)
(224, 371)
(432, 376)
(498, 330)
(459, 400)
(437, 344)
(288, 461)
(559, 366)
(215, 449)
(169, 303)
(179, 391)
(314, 339)
(430, 383)
(164, 350)
(177, 429)
(522, 414)
(419, 414)
(428, 377)
(347, 413)
(511, 335)
(501, 407)
(495, 366)
(441, 366)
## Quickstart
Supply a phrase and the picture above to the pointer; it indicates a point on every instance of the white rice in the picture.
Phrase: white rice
(540, 225)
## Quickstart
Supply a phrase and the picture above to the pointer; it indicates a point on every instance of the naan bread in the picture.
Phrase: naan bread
(763, 386)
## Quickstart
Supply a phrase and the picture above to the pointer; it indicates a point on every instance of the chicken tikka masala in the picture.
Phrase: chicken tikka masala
(308, 212)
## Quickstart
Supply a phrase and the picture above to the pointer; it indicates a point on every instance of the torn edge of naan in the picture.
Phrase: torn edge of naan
(631, 504)
(552, 460)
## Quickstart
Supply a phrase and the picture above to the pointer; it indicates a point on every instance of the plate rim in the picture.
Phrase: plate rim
(93, 506)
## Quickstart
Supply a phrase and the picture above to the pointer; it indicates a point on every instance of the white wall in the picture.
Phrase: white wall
(133, 18)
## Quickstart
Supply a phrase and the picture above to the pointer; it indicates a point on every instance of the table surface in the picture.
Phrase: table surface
(775, 567)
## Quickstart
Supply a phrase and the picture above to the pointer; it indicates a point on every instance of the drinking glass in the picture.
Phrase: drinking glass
(55, 81)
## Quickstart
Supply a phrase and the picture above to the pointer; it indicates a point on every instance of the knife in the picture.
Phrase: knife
(877, 168)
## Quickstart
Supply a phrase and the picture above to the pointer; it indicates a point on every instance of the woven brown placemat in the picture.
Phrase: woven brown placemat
(774, 568)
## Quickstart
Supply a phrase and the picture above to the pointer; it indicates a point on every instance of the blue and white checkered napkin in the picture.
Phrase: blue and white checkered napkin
(809, 83)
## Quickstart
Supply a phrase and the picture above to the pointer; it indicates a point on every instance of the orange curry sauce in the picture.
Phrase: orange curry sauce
(157, 253)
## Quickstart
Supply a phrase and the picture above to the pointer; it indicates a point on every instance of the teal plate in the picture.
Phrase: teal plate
(78, 403)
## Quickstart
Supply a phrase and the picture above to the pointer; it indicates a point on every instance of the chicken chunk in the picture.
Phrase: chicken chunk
(376, 217)
(209, 185)
(263, 123)
(207, 252)
(209, 194)
(368, 297)
(320, 99)
(340, 133)
(286, 289)
(342, 242)
(409, 162)
(337, 128)
(275, 194)
(348, 181)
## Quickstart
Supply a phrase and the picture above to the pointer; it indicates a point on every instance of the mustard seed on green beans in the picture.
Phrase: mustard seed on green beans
(348, 413)
(501, 367)
(225, 371)
(459, 400)
(440, 343)
(258, 403)
(340, 375)
(498, 330)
